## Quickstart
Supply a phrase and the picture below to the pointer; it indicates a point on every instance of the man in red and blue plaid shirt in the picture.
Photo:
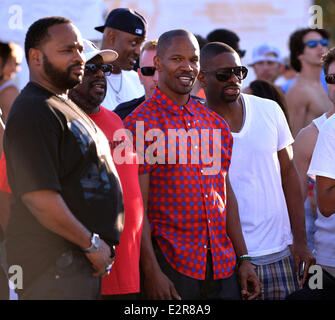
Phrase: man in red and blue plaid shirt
(191, 234)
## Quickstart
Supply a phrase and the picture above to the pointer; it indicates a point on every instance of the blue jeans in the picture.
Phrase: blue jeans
(70, 278)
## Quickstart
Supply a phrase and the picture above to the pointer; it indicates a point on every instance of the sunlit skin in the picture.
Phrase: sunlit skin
(149, 82)
(178, 68)
(89, 94)
(127, 46)
(64, 51)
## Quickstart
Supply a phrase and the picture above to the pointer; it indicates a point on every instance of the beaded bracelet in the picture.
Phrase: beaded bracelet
(244, 257)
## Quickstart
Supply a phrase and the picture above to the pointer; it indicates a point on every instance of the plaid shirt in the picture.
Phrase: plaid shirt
(186, 204)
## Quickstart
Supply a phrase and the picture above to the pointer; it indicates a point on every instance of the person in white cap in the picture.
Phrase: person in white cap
(67, 210)
(266, 62)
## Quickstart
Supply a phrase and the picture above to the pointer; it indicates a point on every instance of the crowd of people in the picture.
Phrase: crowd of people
(144, 170)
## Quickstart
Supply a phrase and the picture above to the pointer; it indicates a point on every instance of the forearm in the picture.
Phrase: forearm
(149, 262)
(233, 223)
(51, 211)
(295, 205)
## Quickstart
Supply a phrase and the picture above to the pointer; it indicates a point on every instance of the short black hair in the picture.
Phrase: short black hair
(165, 39)
(211, 50)
(38, 32)
(327, 59)
(297, 45)
(226, 36)
(267, 90)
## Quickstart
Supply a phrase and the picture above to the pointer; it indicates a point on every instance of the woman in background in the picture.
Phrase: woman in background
(10, 58)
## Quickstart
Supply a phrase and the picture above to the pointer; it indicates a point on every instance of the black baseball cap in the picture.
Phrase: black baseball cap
(126, 20)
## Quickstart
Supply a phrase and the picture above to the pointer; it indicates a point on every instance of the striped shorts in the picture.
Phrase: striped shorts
(278, 279)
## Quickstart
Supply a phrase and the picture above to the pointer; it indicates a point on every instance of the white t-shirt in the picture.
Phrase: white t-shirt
(255, 176)
(323, 164)
(122, 88)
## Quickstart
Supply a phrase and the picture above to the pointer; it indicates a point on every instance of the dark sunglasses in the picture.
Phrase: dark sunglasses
(330, 78)
(92, 68)
(225, 74)
(148, 71)
(314, 43)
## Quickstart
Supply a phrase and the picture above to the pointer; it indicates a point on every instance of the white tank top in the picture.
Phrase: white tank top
(324, 237)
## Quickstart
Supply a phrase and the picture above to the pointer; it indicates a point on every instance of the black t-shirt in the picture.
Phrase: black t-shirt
(50, 144)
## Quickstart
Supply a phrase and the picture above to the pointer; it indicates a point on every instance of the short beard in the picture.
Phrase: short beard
(60, 79)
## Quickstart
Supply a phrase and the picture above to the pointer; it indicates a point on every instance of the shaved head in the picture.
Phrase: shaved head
(166, 38)
(211, 50)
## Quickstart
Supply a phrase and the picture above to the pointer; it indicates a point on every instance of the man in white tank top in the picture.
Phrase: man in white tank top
(305, 143)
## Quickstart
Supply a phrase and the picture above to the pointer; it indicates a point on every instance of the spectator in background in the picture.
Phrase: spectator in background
(10, 58)
(266, 62)
(124, 32)
(148, 77)
(306, 98)
(228, 37)
(197, 90)
(287, 77)
(267, 90)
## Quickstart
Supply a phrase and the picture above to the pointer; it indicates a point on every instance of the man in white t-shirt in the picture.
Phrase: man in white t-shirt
(322, 166)
(262, 173)
(324, 236)
(124, 32)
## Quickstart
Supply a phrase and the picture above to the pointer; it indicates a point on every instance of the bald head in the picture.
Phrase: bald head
(211, 50)
(166, 38)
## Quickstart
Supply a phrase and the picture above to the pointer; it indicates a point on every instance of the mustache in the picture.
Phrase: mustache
(99, 82)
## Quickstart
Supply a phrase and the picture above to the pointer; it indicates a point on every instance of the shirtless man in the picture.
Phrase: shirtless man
(307, 99)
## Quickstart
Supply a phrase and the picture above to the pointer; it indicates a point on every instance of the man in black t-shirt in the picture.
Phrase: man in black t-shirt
(67, 209)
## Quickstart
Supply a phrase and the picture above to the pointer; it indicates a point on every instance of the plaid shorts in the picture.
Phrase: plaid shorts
(278, 279)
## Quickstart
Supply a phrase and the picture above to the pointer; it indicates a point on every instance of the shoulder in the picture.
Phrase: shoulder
(11, 89)
(306, 139)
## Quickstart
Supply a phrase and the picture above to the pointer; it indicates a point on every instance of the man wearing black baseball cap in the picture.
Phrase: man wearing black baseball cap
(124, 31)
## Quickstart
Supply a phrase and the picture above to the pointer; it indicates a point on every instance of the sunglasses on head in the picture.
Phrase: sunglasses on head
(330, 78)
(314, 43)
(226, 73)
(92, 68)
(148, 71)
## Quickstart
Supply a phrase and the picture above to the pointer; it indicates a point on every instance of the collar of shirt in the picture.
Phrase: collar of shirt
(173, 106)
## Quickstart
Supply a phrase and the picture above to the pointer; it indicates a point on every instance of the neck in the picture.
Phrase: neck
(116, 69)
(181, 99)
(83, 103)
(47, 85)
(311, 72)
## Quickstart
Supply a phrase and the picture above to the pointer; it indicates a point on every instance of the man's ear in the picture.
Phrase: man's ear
(109, 37)
(157, 63)
(202, 79)
(35, 57)
(139, 74)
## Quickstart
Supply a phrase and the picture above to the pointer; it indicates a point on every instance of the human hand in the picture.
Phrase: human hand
(159, 287)
(301, 253)
(101, 260)
(249, 283)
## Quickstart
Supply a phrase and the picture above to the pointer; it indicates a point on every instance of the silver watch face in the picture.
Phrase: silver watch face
(96, 240)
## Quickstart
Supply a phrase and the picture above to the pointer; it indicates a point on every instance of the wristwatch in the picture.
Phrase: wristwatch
(95, 244)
